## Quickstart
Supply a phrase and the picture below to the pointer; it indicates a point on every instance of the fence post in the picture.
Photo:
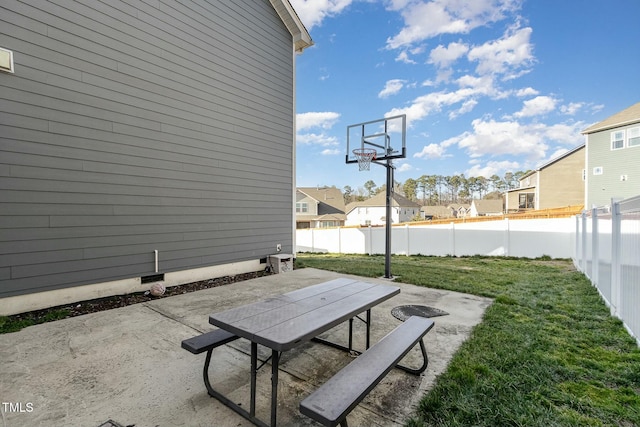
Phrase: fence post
(370, 248)
(616, 246)
(576, 246)
(339, 240)
(313, 240)
(584, 243)
(406, 228)
(452, 238)
(595, 249)
(507, 237)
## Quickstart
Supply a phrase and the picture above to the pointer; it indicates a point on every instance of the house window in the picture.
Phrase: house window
(302, 207)
(617, 140)
(526, 200)
(327, 224)
(633, 136)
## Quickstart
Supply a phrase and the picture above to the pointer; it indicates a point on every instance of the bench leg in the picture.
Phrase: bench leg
(425, 362)
(228, 402)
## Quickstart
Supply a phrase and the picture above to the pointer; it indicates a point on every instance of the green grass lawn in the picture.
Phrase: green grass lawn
(547, 352)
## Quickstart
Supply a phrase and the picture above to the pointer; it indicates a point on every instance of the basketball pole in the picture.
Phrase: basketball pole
(365, 153)
(387, 251)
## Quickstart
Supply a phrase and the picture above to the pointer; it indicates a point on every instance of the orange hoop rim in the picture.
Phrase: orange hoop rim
(364, 157)
(365, 153)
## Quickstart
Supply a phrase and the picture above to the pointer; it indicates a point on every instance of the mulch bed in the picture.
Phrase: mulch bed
(107, 303)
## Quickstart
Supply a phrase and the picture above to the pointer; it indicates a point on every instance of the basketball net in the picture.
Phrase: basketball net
(364, 157)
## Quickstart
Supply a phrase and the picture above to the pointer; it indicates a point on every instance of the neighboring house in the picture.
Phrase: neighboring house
(459, 210)
(485, 208)
(319, 207)
(436, 212)
(143, 142)
(555, 184)
(454, 210)
(373, 211)
(613, 158)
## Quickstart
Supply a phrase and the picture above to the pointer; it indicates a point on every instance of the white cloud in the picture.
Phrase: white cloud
(503, 138)
(331, 152)
(391, 88)
(537, 106)
(426, 19)
(528, 91)
(467, 106)
(324, 120)
(559, 152)
(566, 133)
(572, 108)
(404, 167)
(444, 56)
(507, 55)
(431, 151)
(492, 168)
(433, 102)
(312, 12)
(404, 57)
(317, 139)
(511, 138)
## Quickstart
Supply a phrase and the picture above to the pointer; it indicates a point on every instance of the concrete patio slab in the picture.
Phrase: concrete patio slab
(125, 366)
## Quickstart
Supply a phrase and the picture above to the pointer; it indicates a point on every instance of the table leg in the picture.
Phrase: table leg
(350, 334)
(368, 322)
(275, 361)
(254, 372)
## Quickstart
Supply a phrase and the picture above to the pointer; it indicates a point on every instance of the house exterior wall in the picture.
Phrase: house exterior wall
(605, 168)
(560, 183)
(310, 203)
(513, 196)
(374, 215)
(366, 215)
(131, 128)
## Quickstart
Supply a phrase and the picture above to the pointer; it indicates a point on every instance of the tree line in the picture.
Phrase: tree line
(439, 190)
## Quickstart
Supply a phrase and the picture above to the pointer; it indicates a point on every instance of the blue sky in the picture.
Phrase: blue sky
(488, 86)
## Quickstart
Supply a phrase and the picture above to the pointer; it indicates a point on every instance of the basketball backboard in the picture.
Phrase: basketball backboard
(387, 136)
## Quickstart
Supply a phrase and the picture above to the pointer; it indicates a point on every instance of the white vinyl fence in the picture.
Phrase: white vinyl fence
(530, 238)
(607, 251)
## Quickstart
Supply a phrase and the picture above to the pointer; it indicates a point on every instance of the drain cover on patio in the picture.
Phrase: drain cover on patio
(403, 312)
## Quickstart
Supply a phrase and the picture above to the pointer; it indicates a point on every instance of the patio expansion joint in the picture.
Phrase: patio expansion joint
(170, 317)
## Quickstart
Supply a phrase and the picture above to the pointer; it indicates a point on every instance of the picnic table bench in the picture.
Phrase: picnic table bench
(335, 399)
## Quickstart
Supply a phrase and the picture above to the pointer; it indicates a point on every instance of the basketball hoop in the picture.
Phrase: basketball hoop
(364, 156)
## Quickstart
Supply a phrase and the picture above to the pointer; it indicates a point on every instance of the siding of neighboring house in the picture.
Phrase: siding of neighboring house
(528, 193)
(306, 205)
(560, 183)
(134, 127)
(613, 173)
(485, 208)
(319, 207)
(373, 211)
(555, 184)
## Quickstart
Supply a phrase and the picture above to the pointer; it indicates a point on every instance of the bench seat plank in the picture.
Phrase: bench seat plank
(333, 401)
(207, 341)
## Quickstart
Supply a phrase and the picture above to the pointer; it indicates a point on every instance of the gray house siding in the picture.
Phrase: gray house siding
(134, 126)
(605, 168)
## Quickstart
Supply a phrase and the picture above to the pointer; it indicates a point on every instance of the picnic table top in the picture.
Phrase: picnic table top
(281, 322)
